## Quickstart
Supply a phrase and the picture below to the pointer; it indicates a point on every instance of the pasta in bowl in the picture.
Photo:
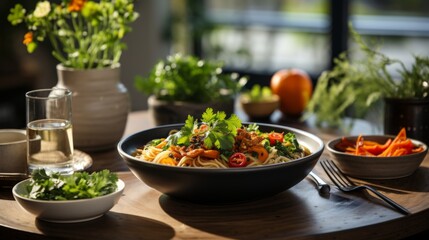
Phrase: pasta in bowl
(198, 162)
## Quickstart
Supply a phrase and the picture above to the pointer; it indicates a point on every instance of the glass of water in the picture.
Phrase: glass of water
(49, 130)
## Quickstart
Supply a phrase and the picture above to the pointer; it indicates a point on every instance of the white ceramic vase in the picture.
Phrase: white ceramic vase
(100, 106)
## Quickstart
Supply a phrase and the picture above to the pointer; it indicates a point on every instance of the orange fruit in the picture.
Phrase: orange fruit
(294, 88)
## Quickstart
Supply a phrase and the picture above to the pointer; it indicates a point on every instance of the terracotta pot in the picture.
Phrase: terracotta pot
(100, 106)
(165, 112)
(412, 114)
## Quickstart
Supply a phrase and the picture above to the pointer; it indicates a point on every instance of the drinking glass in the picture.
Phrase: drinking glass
(49, 130)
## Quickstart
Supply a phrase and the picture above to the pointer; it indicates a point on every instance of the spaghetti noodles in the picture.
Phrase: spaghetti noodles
(217, 142)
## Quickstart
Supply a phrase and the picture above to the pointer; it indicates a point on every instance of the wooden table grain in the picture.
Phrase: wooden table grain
(298, 213)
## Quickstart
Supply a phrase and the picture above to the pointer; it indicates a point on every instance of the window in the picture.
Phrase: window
(260, 37)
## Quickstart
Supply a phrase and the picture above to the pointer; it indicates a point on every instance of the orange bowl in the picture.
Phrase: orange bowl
(376, 167)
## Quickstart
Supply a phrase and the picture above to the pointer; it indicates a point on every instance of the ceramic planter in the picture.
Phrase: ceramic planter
(100, 106)
(413, 114)
(166, 112)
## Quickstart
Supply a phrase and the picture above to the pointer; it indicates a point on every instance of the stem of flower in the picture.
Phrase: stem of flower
(56, 52)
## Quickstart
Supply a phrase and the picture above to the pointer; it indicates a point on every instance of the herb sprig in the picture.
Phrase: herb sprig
(220, 131)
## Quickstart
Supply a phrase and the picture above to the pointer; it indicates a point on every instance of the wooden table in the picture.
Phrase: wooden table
(298, 213)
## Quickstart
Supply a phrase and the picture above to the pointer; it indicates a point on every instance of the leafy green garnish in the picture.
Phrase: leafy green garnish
(253, 127)
(220, 132)
(291, 138)
(287, 149)
(79, 185)
(182, 137)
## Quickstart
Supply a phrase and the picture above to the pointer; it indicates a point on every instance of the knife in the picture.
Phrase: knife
(322, 186)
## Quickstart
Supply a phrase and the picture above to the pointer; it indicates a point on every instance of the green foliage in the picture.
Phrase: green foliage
(288, 149)
(258, 93)
(79, 185)
(189, 79)
(83, 35)
(253, 127)
(354, 88)
(220, 131)
(183, 137)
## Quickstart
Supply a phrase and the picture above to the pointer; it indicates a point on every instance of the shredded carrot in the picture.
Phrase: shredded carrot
(399, 146)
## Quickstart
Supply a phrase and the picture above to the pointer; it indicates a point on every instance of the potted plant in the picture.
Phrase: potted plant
(86, 38)
(259, 102)
(354, 88)
(186, 85)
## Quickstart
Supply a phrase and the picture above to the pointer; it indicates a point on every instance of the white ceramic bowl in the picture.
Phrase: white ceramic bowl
(69, 210)
(376, 167)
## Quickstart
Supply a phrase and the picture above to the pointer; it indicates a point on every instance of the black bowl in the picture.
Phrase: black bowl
(204, 185)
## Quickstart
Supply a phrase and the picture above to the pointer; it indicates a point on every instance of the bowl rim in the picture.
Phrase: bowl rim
(330, 147)
(274, 99)
(130, 158)
(17, 131)
(120, 187)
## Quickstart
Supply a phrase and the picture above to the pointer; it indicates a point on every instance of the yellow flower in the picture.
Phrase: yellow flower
(28, 38)
(76, 5)
(42, 9)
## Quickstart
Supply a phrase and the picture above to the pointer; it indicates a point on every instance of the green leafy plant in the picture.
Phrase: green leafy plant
(84, 34)
(354, 88)
(190, 79)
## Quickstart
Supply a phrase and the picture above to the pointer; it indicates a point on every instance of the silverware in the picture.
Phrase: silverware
(346, 185)
(322, 186)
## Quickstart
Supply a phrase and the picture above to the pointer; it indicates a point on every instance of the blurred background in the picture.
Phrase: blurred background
(252, 37)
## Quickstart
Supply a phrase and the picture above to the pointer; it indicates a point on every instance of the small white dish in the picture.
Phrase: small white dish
(67, 211)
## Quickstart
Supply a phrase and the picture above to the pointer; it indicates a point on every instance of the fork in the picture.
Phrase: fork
(346, 185)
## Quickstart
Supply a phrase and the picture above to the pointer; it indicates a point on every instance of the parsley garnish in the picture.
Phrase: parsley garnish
(182, 137)
(220, 132)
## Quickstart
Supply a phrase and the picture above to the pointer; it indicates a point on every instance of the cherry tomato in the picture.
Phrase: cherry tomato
(237, 160)
(274, 136)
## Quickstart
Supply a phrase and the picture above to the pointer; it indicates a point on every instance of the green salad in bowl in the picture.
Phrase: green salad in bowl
(81, 196)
